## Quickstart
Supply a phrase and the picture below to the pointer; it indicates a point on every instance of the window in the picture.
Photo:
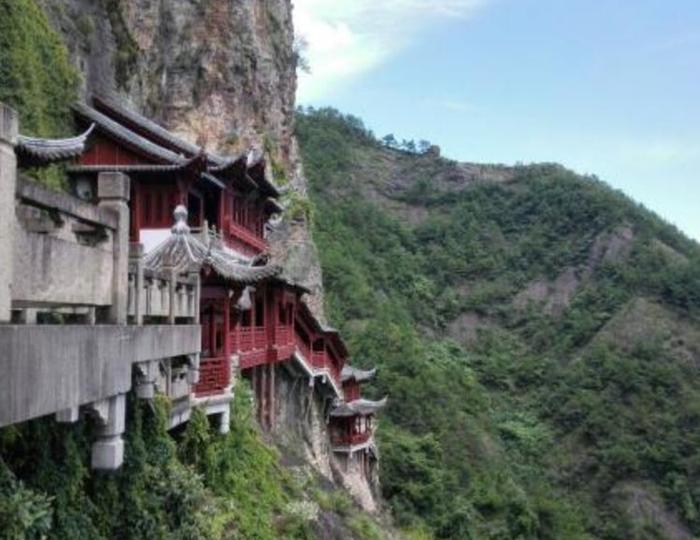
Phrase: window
(194, 210)
(259, 312)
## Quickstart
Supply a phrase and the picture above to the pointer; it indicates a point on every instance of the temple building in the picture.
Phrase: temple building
(189, 253)
(352, 423)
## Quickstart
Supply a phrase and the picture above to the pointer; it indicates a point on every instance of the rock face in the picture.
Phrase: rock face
(219, 73)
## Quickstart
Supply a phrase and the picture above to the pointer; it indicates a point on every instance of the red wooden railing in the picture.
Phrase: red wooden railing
(283, 335)
(344, 439)
(248, 338)
(213, 376)
(245, 339)
(260, 337)
(318, 359)
(351, 391)
(242, 239)
(303, 347)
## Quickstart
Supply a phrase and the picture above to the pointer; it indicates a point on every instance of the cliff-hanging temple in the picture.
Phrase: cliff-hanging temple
(159, 265)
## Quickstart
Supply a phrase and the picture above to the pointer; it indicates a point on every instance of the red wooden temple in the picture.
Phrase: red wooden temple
(251, 317)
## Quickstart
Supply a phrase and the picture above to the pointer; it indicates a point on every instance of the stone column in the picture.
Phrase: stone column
(197, 295)
(113, 193)
(9, 126)
(108, 450)
(136, 256)
(193, 371)
(225, 421)
(146, 376)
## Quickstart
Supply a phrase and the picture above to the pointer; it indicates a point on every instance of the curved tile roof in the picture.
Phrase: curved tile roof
(128, 137)
(112, 108)
(184, 252)
(39, 151)
(359, 375)
(362, 407)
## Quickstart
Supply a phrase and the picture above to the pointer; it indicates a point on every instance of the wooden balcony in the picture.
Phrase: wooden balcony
(319, 359)
(214, 375)
(352, 439)
(283, 336)
(303, 347)
(242, 239)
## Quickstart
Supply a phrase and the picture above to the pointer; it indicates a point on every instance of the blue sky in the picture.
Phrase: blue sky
(607, 87)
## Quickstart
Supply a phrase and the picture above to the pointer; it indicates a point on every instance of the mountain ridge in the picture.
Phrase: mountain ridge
(567, 409)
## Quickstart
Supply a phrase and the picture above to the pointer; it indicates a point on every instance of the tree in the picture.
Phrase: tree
(390, 141)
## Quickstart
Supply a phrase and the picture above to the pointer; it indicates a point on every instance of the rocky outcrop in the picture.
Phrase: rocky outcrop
(221, 74)
(300, 420)
(555, 296)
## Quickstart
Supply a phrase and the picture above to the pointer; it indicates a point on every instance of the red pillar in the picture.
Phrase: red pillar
(227, 345)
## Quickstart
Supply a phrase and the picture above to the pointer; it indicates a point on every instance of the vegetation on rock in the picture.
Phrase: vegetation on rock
(198, 485)
(537, 332)
(36, 76)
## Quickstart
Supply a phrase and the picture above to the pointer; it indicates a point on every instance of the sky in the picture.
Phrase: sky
(605, 87)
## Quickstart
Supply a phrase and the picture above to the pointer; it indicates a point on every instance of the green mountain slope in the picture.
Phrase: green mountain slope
(538, 334)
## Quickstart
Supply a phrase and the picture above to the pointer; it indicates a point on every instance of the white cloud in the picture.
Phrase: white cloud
(659, 152)
(459, 106)
(347, 38)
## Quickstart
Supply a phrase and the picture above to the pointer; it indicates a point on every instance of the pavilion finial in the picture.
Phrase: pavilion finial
(180, 215)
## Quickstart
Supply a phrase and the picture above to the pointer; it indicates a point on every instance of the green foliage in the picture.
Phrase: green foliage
(530, 430)
(152, 496)
(279, 174)
(36, 76)
(35, 73)
(23, 512)
(243, 472)
(298, 207)
(127, 51)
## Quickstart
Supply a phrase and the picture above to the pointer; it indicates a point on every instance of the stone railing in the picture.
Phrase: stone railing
(160, 296)
(64, 257)
(66, 301)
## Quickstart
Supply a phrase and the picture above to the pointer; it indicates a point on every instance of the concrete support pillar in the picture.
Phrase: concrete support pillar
(146, 376)
(108, 450)
(9, 126)
(113, 193)
(27, 316)
(68, 416)
(225, 421)
(193, 371)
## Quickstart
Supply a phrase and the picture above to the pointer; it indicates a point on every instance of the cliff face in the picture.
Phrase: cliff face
(221, 74)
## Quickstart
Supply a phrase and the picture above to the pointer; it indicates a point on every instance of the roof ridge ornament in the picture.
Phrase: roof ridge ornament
(180, 227)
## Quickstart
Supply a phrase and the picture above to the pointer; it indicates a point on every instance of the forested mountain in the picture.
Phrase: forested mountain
(538, 334)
